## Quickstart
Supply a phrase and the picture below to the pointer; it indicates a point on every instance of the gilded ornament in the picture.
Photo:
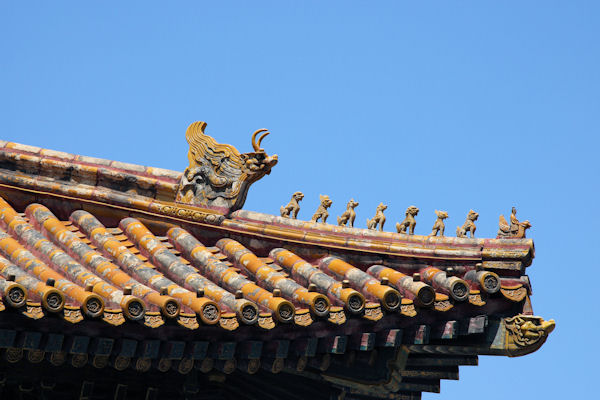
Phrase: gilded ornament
(337, 316)
(33, 310)
(153, 319)
(229, 323)
(442, 305)
(72, 314)
(229, 366)
(301, 363)
(321, 212)
(143, 364)
(121, 363)
(514, 293)
(514, 230)
(303, 318)
(164, 364)
(13, 354)
(58, 358)
(409, 222)
(185, 366)
(79, 360)
(16, 295)
(439, 226)
(218, 175)
(265, 321)
(206, 365)
(190, 214)
(293, 207)
(253, 366)
(378, 219)
(349, 215)
(408, 309)
(476, 300)
(113, 317)
(35, 356)
(373, 312)
(526, 333)
(188, 321)
(100, 361)
(468, 226)
(277, 366)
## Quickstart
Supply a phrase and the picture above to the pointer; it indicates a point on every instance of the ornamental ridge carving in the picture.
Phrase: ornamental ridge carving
(337, 317)
(515, 229)
(524, 332)
(218, 175)
(193, 215)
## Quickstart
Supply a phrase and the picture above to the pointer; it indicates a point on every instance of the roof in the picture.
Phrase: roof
(127, 263)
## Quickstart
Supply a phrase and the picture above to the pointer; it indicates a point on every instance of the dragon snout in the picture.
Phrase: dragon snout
(271, 160)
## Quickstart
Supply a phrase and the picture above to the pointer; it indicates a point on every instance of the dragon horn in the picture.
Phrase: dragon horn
(256, 146)
(260, 139)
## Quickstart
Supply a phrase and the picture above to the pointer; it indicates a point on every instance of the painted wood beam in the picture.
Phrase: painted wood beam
(333, 345)
(431, 373)
(440, 361)
(362, 342)
(389, 338)
(420, 385)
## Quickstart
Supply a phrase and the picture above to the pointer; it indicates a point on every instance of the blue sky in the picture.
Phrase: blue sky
(443, 105)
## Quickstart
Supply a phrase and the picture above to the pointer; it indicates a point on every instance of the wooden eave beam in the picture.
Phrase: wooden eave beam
(440, 361)
(450, 373)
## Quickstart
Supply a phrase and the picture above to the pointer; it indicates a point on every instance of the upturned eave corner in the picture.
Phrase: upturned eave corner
(520, 335)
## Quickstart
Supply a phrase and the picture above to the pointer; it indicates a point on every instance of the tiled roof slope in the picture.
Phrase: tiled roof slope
(98, 264)
(86, 274)
(126, 273)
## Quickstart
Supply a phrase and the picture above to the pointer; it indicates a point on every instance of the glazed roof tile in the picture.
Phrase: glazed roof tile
(129, 270)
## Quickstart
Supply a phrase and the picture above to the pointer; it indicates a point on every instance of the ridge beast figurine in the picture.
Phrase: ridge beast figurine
(322, 210)
(379, 218)
(218, 176)
(439, 226)
(409, 222)
(515, 229)
(349, 215)
(468, 226)
(293, 207)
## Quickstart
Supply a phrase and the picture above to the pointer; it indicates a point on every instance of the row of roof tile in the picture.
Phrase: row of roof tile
(80, 269)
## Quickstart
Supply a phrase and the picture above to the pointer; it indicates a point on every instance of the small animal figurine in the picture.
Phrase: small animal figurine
(349, 215)
(468, 226)
(409, 222)
(379, 218)
(292, 208)
(515, 230)
(322, 210)
(439, 226)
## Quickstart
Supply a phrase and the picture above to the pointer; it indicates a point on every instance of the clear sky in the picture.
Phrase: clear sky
(442, 105)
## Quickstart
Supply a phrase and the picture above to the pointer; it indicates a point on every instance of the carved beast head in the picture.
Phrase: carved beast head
(218, 175)
(325, 201)
(298, 196)
(258, 163)
(412, 210)
(473, 215)
(441, 214)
